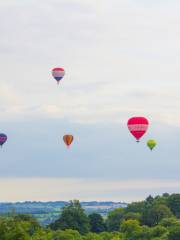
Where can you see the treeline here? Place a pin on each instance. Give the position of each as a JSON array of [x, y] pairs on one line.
[[153, 219]]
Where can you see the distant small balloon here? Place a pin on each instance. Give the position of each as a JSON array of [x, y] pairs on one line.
[[151, 143], [58, 73], [138, 126], [3, 138], [68, 139]]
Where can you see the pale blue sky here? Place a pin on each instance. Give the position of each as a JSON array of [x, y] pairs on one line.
[[121, 59]]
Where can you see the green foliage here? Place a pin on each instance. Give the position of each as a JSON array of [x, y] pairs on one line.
[[130, 228], [68, 234], [72, 217], [97, 224], [174, 204], [30, 224], [106, 235], [169, 222], [135, 207], [43, 234], [114, 219], [158, 231], [133, 215], [174, 233], [154, 213], [151, 219], [12, 230], [144, 233], [92, 236]]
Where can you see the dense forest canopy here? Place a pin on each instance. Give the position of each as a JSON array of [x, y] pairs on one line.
[[155, 218]]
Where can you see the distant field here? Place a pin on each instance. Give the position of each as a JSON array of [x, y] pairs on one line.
[[47, 212]]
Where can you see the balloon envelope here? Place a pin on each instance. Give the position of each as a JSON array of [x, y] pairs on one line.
[[151, 143], [137, 126], [58, 73], [68, 139], [3, 138]]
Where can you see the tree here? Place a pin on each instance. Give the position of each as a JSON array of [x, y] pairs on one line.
[[9, 229], [136, 207], [174, 204], [160, 200], [169, 222], [144, 233], [149, 199], [158, 231], [42, 234], [17, 234], [12, 229], [114, 219], [130, 228], [174, 233], [66, 235], [97, 224], [72, 217], [166, 195], [92, 236], [24, 218], [111, 236], [152, 215], [106, 235], [132, 215], [31, 223]]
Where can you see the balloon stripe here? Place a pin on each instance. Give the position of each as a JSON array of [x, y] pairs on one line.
[[137, 127]]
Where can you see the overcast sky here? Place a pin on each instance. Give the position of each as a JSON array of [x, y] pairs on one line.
[[122, 59]]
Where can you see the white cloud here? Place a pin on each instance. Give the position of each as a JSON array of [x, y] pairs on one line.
[[118, 56], [54, 189], [121, 59]]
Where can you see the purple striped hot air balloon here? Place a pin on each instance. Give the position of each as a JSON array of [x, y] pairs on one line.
[[58, 73], [3, 138]]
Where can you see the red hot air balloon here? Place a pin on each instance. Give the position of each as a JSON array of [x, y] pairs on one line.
[[3, 139], [138, 126]]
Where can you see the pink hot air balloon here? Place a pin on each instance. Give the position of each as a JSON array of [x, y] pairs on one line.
[[138, 126], [3, 139]]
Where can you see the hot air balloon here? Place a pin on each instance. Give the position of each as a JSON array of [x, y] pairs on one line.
[[151, 144], [58, 73], [138, 126], [3, 139], [68, 139]]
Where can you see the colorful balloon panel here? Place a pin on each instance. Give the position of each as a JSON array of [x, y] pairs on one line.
[[58, 73], [3, 138], [138, 126], [68, 139]]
